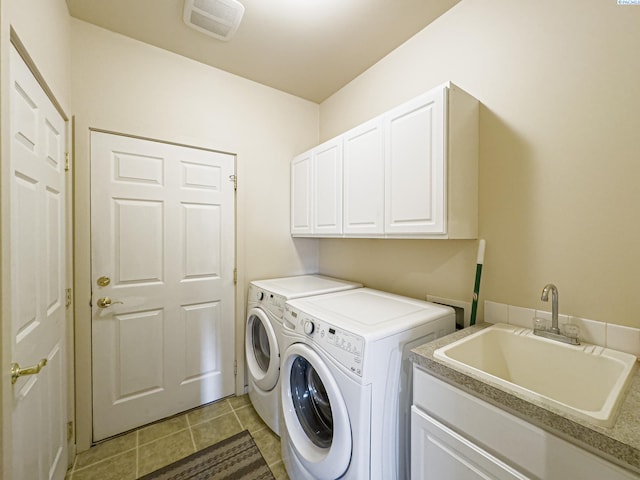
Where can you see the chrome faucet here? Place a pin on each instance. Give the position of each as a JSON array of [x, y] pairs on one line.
[[554, 332], [554, 305]]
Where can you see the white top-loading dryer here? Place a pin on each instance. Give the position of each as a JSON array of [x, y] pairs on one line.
[[265, 307], [346, 382]]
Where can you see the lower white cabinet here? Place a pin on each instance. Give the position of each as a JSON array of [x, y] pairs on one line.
[[440, 453], [456, 436]]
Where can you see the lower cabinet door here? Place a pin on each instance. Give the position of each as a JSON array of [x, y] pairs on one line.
[[439, 453]]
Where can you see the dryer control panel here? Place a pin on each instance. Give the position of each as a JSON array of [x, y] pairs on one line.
[[267, 300], [345, 347]]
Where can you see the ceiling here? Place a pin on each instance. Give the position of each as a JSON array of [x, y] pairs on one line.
[[309, 48]]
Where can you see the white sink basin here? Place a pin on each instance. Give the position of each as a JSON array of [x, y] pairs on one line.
[[585, 381]]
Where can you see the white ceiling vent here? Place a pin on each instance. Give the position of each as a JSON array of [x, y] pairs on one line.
[[218, 18]]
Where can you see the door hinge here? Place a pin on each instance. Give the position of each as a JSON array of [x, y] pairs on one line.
[[234, 179], [66, 162], [235, 367], [67, 302], [235, 276], [69, 431]]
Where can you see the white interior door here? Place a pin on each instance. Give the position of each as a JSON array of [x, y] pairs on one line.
[[37, 246], [162, 242]]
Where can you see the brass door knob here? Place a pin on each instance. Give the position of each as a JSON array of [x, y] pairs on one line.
[[106, 302], [17, 372]]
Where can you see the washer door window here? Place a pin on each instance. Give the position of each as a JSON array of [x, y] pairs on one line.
[[315, 414], [311, 403], [261, 346]]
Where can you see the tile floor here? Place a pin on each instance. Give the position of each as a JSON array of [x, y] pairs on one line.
[[137, 453]]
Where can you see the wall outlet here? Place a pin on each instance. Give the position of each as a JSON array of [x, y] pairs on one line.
[[463, 309]]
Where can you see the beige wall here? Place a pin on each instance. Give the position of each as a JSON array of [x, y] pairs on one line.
[[123, 85], [43, 28], [559, 162]]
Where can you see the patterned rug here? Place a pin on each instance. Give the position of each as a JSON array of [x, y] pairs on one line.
[[236, 458]]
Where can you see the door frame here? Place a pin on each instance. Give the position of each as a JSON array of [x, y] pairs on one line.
[[83, 284], [6, 395]]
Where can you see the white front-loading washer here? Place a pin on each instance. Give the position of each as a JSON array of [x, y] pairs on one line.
[[346, 382], [265, 307]]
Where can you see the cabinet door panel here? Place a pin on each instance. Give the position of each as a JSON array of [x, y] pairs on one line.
[[364, 179], [438, 452], [301, 194], [415, 166], [327, 188]]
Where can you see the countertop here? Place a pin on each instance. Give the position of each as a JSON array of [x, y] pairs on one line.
[[619, 444]]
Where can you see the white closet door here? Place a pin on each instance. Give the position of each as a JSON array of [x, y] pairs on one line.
[[37, 245], [162, 242]]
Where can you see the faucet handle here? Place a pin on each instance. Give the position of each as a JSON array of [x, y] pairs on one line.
[[540, 323], [571, 330]]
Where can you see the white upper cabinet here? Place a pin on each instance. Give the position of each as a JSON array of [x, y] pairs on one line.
[[411, 172], [316, 191], [364, 180], [301, 195], [327, 188], [415, 169]]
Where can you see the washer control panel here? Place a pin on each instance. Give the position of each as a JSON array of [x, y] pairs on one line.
[[346, 347]]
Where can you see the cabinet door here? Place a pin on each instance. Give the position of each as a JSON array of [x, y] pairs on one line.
[[301, 194], [364, 179], [438, 452], [327, 188], [415, 170]]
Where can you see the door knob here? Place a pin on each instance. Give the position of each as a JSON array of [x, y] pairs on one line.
[[106, 302], [17, 372]]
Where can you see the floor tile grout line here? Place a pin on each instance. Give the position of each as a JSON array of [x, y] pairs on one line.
[[137, 452], [260, 429], [162, 437], [211, 418], [238, 419], [193, 440], [73, 465], [111, 457]]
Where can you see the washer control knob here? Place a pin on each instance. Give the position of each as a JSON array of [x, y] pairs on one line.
[[260, 296], [309, 327]]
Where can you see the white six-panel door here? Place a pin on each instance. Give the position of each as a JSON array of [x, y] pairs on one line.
[[162, 233], [37, 245]]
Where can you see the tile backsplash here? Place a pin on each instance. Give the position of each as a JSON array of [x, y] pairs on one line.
[[616, 337]]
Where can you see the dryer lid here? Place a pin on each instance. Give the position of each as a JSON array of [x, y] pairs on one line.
[[304, 285]]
